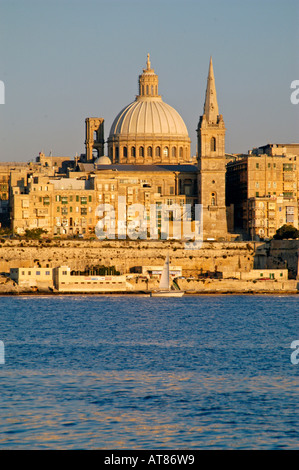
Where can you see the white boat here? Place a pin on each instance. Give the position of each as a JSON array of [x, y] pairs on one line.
[[165, 287]]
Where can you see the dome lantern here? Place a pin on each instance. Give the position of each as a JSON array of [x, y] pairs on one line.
[[148, 81]]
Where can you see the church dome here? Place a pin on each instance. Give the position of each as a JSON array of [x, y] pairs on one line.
[[149, 115], [148, 130], [103, 160]]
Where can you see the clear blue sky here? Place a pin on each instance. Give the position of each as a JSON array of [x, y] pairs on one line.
[[64, 60]]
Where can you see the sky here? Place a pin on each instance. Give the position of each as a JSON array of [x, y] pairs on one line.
[[64, 60]]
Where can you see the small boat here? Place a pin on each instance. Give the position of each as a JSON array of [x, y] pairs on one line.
[[165, 288]]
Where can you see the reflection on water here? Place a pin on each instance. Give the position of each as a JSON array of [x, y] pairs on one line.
[[137, 373]]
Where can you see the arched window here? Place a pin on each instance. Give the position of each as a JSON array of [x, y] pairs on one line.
[[133, 152], [116, 153], [95, 136], [158, 151], [147, 89], [149, 151], [181, 152], [125, 152], [213, 144], [173, 152], [213, 199], [141, 152], [165, 151]]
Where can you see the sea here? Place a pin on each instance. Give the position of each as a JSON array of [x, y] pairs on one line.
[[132, 372]]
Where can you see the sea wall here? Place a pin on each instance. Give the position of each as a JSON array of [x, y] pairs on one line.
[[125, 255]]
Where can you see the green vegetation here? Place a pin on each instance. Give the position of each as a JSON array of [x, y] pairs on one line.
[[35, 233], [286, 231]]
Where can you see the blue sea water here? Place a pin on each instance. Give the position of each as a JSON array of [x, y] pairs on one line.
[[133, 372]]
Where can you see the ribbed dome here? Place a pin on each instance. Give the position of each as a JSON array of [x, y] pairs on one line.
[[103, 160], [149, 115]]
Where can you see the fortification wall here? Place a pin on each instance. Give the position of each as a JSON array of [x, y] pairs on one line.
[[125, 255]]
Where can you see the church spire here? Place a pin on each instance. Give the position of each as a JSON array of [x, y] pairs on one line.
[[211, 106]]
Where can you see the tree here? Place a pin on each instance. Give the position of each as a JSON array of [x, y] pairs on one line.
[[34, 233], [286, 231]]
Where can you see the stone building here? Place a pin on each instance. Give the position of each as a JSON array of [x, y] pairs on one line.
[[263, 186], [69, 205]]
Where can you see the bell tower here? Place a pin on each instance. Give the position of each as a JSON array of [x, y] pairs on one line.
[[211, 164]]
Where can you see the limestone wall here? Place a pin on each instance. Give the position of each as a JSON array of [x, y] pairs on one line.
[[125, 255]]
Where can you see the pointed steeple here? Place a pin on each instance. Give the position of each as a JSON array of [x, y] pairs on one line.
[[211, 106]]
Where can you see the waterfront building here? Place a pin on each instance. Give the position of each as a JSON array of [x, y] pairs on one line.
[[263, 187]]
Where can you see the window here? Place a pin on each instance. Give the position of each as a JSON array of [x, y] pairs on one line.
[[125, 152], [133, 152], [149, 151], [257, 165], [213, 199], [166, 151], [47, 273], [89, 198], [181, 152], [46, 201], [141, 152], [64, 200], [158, 151], [38, 273], [77, 198], [160, 189], [64, 273], [173, 151], [83, 200], [171, 190], [83, 210], [213, 144]]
